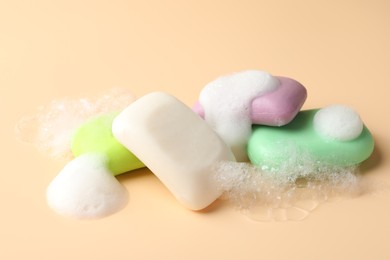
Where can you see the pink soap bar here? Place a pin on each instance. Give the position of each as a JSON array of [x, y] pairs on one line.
[[274, 108]]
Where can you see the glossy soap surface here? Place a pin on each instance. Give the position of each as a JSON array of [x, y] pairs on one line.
[[269, 147], [95, 136], [178, 146]]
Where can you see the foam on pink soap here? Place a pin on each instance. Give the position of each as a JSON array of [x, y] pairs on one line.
[[274, 108], [280, 106], [226, 102]]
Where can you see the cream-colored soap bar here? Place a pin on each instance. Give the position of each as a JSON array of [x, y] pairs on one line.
[[175, 144]]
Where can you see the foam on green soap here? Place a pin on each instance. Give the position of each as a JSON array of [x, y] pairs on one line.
[[95, 136], [271, 147]]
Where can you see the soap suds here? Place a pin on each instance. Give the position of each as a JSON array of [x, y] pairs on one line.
[[338, 122], [290, 193], [51, 127], [85, 189], [227, 105]]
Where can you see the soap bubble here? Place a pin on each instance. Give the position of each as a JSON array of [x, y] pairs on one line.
[[290, 193], [50, 128]]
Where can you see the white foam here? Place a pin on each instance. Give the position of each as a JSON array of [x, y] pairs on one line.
[[85, 189], [227, 103], [51, 127], [289, 194], [338, 122]]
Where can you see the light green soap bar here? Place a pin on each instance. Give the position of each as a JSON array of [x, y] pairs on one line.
[[270, 147], [95, 136]]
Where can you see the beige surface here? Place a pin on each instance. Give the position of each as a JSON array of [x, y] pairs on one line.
[[49, 49]]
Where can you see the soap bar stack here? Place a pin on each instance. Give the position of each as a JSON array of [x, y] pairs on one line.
[[248, 115], [334, 135]]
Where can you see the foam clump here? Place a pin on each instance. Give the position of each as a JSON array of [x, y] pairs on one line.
[[51, 127], [86, 189], [338, 122], [289, 194], [227, 105]]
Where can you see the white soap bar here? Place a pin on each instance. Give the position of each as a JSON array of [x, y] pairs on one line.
[[175, 144]]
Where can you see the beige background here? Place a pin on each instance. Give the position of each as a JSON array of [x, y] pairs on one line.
[[51, 49]]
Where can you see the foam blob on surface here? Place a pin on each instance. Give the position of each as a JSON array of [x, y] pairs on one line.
[[51, 127], [85, 189], [291, 194], [227, 105], [338, 122]]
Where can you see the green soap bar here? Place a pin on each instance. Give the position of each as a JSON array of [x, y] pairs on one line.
[[269, 147], [95, 136]]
